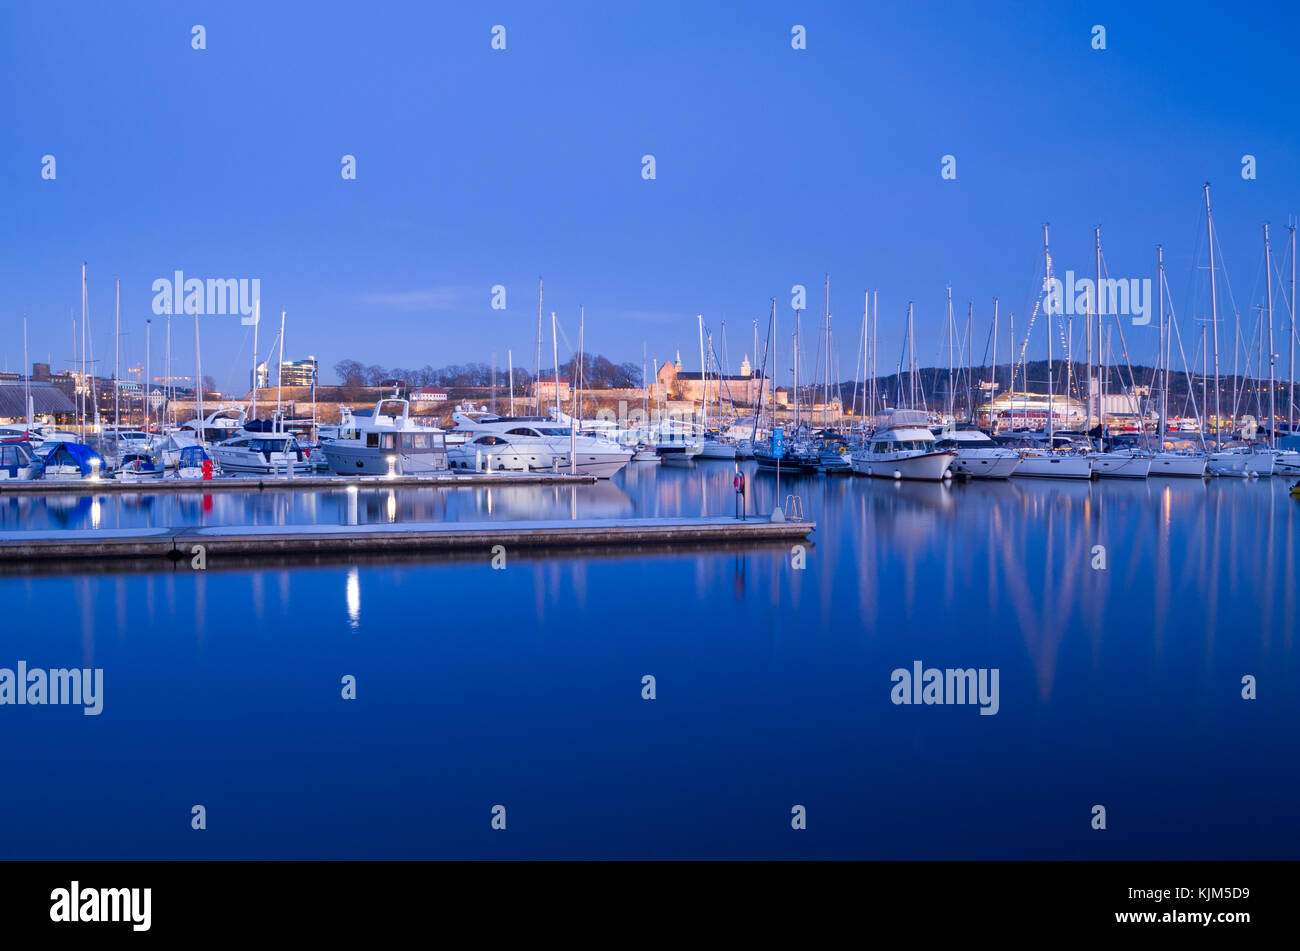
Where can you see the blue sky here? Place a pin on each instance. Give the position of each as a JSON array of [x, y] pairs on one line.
[[478, 167]]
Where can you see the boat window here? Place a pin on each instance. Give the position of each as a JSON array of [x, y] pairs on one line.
[[422, 441], [372, 440], [489, 441], [557, 432], [388, 440], [521, 432]]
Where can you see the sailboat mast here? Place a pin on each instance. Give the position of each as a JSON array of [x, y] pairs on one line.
[[198, 377], [510, 375], [148, 346], [1214, 320], [993, 370], [949, 407], [970, 362], [1272, 405], [167, 368], [1093, 310], [555, 352], [257, 322], [279, 373], [704, 378], [1051, 401], [27, 378], [911, 360], [537, 363], [1163, 368], [83, 351], [117, 347], [1290, 402], [796, 368], [875, 329], [1011, 353], [826, 370]]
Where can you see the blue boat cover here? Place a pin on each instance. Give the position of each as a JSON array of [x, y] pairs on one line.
[[74, 453]]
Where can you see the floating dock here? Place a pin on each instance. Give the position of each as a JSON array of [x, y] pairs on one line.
[[261, 483], [174, 544]]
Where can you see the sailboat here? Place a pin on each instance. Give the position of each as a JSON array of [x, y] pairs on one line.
[[1167, 460], [1057, 457], [711, 444], [901, 445]]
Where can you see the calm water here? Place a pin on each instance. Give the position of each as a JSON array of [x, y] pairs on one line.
[[522, 686]]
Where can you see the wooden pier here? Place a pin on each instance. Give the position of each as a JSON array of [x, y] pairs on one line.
[[107, 545]]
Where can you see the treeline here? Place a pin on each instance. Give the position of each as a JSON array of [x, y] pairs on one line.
[[932, 383], [597, 372]]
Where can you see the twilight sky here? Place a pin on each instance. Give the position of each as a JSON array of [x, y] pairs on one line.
[[477, 167]]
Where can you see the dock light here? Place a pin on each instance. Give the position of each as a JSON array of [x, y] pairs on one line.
[[352, 505], [392, 464], [94, 470]]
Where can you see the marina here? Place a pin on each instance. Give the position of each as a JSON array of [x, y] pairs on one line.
[[547, 438]]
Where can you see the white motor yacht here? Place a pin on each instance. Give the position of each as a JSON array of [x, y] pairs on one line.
[[531, 444], [978, 456], [221, 424], [263, 453], [385, 443], [902, 447]]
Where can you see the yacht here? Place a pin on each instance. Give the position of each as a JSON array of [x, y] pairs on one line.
[[677, 442], [978, 456], [1227, 463], [1179, 462], [69, 462], [902, 447], [385, 444], [15, 461], [269, 453], [1121, 463], [714, 447], [138, 466], [532, 444], [221, 424], [1063, 457]]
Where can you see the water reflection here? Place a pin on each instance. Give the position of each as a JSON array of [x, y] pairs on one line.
[[767, 674]]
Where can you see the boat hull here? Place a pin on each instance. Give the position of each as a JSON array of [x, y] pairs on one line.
[[717, 450], [1227, 465], [1121, 465], [1054, 466], [362, 460], [1179, 465], [920, 467], [986, 464], [1260, 464]]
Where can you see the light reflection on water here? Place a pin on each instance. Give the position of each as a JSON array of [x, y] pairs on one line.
[[1120, 686]]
